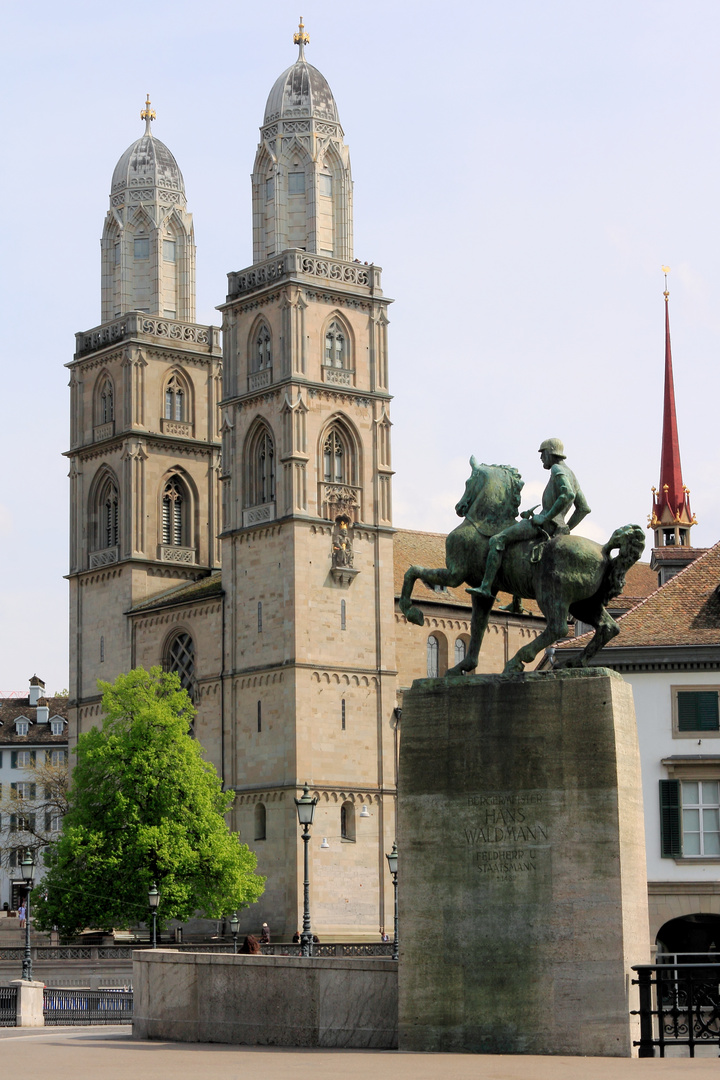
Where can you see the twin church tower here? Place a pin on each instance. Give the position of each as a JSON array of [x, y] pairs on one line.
[[231, 502]]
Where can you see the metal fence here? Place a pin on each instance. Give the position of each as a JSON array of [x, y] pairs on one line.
[[8, 1005], [82, 1007], [679, 1005], [42, 953]]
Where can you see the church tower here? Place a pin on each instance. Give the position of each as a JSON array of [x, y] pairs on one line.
[[144, 457], [307, 541], [671, 518]]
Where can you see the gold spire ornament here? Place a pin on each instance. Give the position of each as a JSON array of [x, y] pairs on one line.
[[666, 271], [301, 39], [147, 115]]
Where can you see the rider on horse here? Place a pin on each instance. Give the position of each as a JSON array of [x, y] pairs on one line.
[[560, 494]]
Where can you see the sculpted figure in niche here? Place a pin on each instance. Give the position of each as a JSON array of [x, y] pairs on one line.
[[534, 557], [342, 552]]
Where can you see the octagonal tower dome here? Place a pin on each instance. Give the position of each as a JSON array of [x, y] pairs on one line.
[[302, 185], [148, 245]]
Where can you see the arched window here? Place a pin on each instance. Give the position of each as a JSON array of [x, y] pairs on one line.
[[336, 346], [174, 513], [347, 821], [106, 511], [259, 715], [260, 821], [106, 402], [261, 467], [335, 459], [262, 349], [460, 650], [181, 659], [433, 651], [175, 399]]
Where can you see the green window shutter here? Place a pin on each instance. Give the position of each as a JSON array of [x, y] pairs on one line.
[[670, 836], [13, 787], [47, 823], [48, 757], [32, 757], [32, 791], [698, 710], [13, 822], [13, 759], [31, 822]]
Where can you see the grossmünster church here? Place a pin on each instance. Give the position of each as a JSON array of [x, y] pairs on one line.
[[231, 508]]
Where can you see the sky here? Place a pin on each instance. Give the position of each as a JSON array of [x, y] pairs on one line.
[[522, 171]]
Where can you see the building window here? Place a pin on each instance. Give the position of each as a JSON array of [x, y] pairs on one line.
[[259, 715], [181, 659], [343, 615], [296, 183], [23, 789], [695, 709], [334, 459], [173, 513], [690, 818], [262, 352], [460, 650], [56, 726], [336, 350], [106, 411], [102, 648], [22, 823], [347, 821], [21, 727], [325, 186], [25, 758], [261, 467], [259, 615], [110, 516], [342, 715], [175, 398], [141, 248], [53, 822], [169, 250], [270, 188], [433, 654], [260, 821], [57, 758], [168, 314]]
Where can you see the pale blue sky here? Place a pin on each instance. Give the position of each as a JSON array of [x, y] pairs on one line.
[[522, 170]]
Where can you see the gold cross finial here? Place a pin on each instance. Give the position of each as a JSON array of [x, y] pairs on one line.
[[301, 39], [147, 115], [666, 271]]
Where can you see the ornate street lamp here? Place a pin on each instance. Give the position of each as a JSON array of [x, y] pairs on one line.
[[306, 811], [27, 866], [392, 859], [234, 923], [153, 901]]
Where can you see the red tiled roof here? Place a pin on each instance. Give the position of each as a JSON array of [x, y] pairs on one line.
[[685, 611]]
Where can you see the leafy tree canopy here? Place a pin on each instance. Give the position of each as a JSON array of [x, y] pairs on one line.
[[144, 807]]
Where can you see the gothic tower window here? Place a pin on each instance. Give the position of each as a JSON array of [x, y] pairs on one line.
[[175, 400], [106, 513], [174, 513], [334, 459], [262, 353], [260, 460], [180, 658], [106, 403], [336, 346]]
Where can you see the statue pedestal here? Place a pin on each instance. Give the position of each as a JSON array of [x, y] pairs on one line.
[[522, 883]]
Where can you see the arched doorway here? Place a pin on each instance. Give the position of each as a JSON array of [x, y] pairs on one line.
[[699, 933]]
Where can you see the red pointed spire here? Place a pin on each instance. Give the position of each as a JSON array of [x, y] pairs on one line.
[[671, 504]]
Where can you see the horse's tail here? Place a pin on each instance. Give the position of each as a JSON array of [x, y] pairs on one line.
[[630, 541]]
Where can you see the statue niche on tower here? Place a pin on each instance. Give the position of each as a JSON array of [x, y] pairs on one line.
[[534, 558], [342, 568]]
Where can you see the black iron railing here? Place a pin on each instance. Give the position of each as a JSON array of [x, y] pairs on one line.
[[8, 1005], [42, 953], [82, 1007], [679, 1006]]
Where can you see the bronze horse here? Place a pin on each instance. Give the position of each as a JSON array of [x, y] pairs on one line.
[[566, 574]]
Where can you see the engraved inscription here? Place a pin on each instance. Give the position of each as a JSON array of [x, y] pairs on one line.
[[505, 832]]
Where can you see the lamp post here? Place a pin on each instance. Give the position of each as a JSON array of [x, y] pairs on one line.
[[305, 811], [153, 901], [234, 923], [392, 859], [27, 867]]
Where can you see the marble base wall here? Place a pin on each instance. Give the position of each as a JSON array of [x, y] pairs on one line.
[[265, 1000], [522, 887]]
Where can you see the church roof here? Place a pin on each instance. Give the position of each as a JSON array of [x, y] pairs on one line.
[[148, 161], [301, 91], [188, 593], [684, 612]]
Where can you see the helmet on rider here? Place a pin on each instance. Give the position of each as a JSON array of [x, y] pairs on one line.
[[555, 447]]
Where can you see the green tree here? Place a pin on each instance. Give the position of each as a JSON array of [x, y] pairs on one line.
[[144, 807]]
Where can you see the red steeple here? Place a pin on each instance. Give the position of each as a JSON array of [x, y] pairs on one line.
[[671, 504]]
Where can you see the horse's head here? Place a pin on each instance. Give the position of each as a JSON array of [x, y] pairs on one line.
[[492, 494]]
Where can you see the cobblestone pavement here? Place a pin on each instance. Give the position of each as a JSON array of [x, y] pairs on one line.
[[112, 1054]]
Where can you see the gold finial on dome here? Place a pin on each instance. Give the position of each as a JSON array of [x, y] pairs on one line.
[[666, 271], [301, 39], [147, 115]]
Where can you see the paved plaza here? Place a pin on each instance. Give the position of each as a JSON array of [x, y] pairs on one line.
[[112, 1054]]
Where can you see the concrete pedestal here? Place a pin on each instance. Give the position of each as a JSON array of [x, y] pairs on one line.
[[29, 1003], [522, 885]]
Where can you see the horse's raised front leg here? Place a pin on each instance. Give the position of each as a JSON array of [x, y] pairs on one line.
[[605, 630], [481, 609], [442, 576]]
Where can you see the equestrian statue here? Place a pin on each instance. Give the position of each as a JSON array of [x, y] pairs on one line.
[[534, 558]]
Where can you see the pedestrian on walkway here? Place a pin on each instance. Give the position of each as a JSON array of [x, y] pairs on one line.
[[265, 934], [21, 914]]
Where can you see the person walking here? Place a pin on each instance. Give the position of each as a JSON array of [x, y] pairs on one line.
[[265, 934], [21, 914]]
